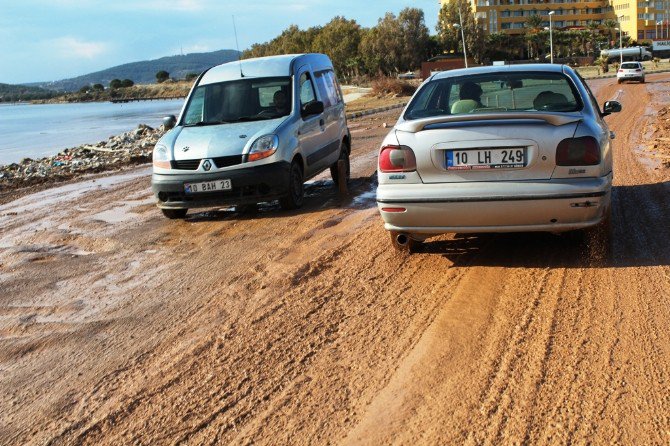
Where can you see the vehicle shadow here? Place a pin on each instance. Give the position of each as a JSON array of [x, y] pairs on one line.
[[640, 237], [319, 195]]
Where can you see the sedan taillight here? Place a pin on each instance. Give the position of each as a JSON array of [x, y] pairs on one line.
[[396, 159], [584, 151]]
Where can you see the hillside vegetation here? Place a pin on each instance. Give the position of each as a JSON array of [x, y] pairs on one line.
[[164, 90], [144, 72], [16, 93]]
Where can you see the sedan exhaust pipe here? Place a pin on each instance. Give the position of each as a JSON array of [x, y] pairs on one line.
[[402, 240]]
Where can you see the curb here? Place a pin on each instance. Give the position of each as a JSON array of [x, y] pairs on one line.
[[375, 110]]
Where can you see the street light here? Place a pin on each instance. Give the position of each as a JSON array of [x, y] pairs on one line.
[[460, 19], [551, 38], [620, 41]]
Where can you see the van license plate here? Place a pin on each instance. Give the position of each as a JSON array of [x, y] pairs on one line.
[[208, 186], [507, 158]]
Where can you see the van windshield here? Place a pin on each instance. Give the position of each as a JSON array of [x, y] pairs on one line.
[[240, 100], [495, 92]]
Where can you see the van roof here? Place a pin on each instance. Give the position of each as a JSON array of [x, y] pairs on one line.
[[264, 67]]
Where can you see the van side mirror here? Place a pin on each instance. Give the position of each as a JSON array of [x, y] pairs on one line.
[[312, 108], [169, 122], [611, 107]]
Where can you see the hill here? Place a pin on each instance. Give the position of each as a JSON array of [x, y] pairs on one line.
[[15, 93], [144, 72]]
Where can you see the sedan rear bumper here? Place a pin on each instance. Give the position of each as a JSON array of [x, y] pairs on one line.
[[512, 206]]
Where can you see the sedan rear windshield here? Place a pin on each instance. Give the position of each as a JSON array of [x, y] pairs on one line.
[[495, 92], [240, 100]]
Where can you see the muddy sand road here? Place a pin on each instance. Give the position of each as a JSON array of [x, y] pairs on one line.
[[118, 326]]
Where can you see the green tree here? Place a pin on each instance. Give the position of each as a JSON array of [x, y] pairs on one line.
[[162, 76], [381, 47], [85, 89], [190, 76], [449, 33], [115, 83], [340, 39], [127, 83], [98, 87], [415, 38], [533, 35]]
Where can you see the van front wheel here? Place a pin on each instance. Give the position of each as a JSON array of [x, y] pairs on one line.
[[174, 214], [296, 188]]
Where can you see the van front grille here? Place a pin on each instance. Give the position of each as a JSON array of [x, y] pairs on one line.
[[185, 164], [225, 161]]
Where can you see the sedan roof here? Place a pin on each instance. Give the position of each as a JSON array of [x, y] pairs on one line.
[[520, 68]]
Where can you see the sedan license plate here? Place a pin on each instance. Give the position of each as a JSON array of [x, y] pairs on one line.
[[507, 158], [208, 186]]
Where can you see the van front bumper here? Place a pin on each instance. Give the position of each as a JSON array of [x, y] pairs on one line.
[[249, 185]]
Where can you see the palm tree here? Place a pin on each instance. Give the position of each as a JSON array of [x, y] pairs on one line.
[[534, 26], [594, 31], [610, 25]]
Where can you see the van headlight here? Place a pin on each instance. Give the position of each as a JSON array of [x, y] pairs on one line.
[[160, 157], [263, 147]]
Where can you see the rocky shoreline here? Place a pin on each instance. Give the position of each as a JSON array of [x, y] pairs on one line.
[[127, 149]]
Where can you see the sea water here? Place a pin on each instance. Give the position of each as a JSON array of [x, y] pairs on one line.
[[35, 131]]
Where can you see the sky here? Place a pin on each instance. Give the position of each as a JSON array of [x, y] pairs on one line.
[[47, 40]]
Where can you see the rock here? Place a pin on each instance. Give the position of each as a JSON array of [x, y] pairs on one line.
[[26, 161]]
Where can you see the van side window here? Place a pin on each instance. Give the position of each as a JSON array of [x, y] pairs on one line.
[[307, 93], [327, 89], [334, 86]]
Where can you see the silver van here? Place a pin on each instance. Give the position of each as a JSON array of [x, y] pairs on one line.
[[252, 131]]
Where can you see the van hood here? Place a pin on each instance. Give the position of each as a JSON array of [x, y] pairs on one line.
[[217, 140]]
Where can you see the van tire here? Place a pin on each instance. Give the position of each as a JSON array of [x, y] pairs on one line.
[[296, 188], [344, 155], [174, 214]]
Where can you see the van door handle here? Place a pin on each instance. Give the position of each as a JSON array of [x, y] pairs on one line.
[[321, 123]]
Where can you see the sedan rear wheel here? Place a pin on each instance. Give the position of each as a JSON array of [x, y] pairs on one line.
[[599, 240]]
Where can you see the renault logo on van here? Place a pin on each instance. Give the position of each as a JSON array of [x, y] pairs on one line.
[[207, 165]]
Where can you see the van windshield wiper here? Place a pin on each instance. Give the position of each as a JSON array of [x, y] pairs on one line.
[[204, 123], [254, 118]]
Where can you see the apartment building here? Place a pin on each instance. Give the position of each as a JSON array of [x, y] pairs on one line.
[[642, 20]]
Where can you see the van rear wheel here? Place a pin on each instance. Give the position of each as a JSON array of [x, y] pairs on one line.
[[344, 155]]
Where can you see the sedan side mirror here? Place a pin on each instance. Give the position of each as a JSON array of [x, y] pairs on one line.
[[312, 108], [169, 122], [611, 107]]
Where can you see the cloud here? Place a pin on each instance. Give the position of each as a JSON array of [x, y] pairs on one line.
[[76, 48]]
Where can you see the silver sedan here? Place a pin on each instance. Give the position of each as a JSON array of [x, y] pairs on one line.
[[497, 149]]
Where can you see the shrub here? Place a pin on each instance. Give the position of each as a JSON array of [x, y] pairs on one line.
[[387, 86], [162, 76], [115, 83], [191, 76], [85, 89], [127, 83], [98, 87]]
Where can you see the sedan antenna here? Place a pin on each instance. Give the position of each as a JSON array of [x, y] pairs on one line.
[[237, 43]]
